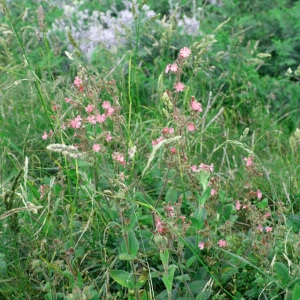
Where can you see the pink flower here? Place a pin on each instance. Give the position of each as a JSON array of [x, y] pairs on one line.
[[106, 105], [269, 229], [77, 81], [248, 161], [268, 215], [68, 100], [167, 130], [207, 167], [100, 118], [213, 192], [96, 147], [201, 245], [168, 68], [222, 243], [179, 87], [185, 52], [108, 137], [89, 108], [110, 111], [173, 150], [173, 67], [91, 119], [76, 123], [45, 135], [196, 106], [194, 169], [259, 194], [157, 141], [238, 205], [158, 225], [191, 126], [119, 158], [260, 228]]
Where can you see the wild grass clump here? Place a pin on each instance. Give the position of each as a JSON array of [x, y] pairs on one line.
[[163, 170]]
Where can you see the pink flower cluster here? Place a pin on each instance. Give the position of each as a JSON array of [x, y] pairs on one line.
[[76, 123], [47, 135], [167, 130], [195, 105], [78, 83], [183, 53], [157, 141], [222, 244], [172, 68], [119, 157], [267, 228], [159, 225], [207, 168], [248, 160]]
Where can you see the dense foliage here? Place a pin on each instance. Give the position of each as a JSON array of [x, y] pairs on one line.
[[149, 150]]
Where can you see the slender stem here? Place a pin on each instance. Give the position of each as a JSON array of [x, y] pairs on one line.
[[136, 291]]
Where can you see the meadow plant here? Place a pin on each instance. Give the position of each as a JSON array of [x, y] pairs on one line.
[[131, 209]]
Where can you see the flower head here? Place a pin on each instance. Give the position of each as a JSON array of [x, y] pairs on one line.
[[269, 229], [185, 52], [238, 205], [76, 123], [89, 108], [100, 118], [77, 81], [45, 135], [106, 105], [259, 194], [201, 245], [179, 87], [173, 67], [91, 119], [173, 150], [196, 106], [191, 126], [108, 137], [222, 243], [260, 228], [96, 147], [249, 161], [205, 167]]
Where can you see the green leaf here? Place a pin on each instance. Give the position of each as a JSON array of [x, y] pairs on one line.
[[171, 195], [190, 261], [263, 204], [200, 214], [133, 244], [123, 278], [296, 292], [204, 197], [184, 277], [125, 256], [80, 252], [164, 256], [204, 179], [282, 272], [227, 211], [167, 282]]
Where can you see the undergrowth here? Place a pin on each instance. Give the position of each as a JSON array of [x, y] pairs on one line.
[[165, 168]]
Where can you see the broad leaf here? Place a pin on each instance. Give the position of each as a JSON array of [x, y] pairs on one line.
[[123, 278]]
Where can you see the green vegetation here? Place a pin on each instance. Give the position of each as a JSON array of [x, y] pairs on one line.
[[157, 160]]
